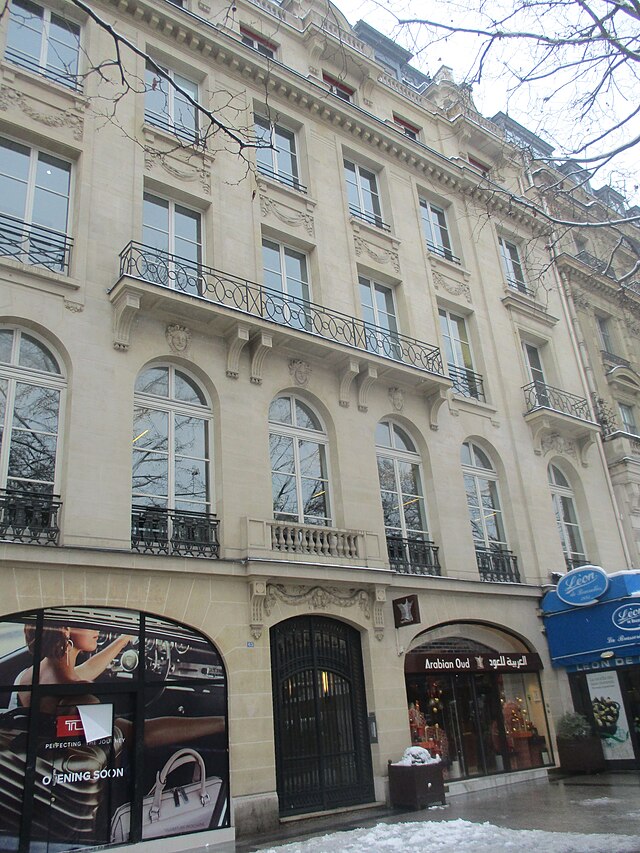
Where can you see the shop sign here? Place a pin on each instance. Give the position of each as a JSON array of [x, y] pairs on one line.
[[583, 586], [627, 617], [498, 662], [406, 611]]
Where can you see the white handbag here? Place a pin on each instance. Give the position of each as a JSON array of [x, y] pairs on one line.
[[172, 811]]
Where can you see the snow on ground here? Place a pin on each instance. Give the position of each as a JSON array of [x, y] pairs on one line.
[[458, 835]]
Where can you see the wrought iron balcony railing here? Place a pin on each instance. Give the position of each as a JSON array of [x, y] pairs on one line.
[[574, 562], [67, 78], [371, 218], [280, 177], [610, 358], [413, 556], [596, 264], [497, 565], [520, 286], [467, 382], [443, 252], [29, 518], [190, 135], [314, 540], [540, 395], [155, 530], [34, 244], [229, 291]]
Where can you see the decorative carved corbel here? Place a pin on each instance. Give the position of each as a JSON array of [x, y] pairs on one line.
[[379, 601], [434, 401], [125, 307], [262, 346], [367, 377], [258, 593], [349, 373], [236, 340]]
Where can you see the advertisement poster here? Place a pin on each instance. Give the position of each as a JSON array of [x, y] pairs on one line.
[[609, 714], [112, 729]]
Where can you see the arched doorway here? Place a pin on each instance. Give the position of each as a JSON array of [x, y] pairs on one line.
[[98, 705], [323, 756]]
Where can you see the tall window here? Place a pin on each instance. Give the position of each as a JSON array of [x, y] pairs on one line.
[[168, 102], [280, 160], [31, 383], [628, 418], [362, 192], [172, 239], [604, 333], [43, 42], [436, 232], [171, 457], [458, 353], [512, 266], [539, 391], [567, 518], [34, 206], [379, 315], [285, 271], [298, 450], [483, 500]]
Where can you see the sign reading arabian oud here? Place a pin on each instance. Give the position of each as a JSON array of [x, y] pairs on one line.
[[470, 662], [583, 586]]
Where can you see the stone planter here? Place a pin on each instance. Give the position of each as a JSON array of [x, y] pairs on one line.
[[581, 756], [416, 786]]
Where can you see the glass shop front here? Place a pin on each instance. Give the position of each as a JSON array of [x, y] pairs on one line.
[[479, 709]]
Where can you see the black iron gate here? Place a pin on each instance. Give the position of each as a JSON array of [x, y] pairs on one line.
[[323, 757]]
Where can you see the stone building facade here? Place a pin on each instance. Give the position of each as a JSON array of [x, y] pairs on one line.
[[292, 437]]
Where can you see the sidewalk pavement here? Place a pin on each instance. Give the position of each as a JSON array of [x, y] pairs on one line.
[[603, 803]]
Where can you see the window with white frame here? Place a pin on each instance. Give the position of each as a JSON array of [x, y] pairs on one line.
[[566, 518], [458, 354], [44, 42], [483, 499], [603, 324], [406, 127], [337, 88], [537, 391], [628, 418], [172, 250], [34, 206], [512, 266], [285, 272], [31, 385], [170, 102], [400, 477], [257, 42], [379, 315], [276, 155], [362, 194], [171, 440], [299, 472], [436, 231]]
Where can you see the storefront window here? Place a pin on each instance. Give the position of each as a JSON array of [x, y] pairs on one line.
[[479, 717], [113, 730]]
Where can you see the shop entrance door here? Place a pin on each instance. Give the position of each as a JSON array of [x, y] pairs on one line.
[[323, 757], [81, 770]]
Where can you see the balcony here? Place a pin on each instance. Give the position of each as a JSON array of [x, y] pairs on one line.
[[574, 561], [159, 276], [17, 57], [467, 382], [413, 556], [28, 518], [281, 178], [34, 244], [155, 530], [370, 218], [553, 412], [497, 565], [315, 541], [443, 252], [596, 264]]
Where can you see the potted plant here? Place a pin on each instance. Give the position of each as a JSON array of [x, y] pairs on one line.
[[579, 750]]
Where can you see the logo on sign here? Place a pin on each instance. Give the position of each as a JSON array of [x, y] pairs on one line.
[[583, 586], [627, 617], [68, 726]]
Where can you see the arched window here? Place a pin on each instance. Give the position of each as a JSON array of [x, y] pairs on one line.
[[495, 561], [170, 465], [299, 475], [31, 385], [567, 518], [403, 504]]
